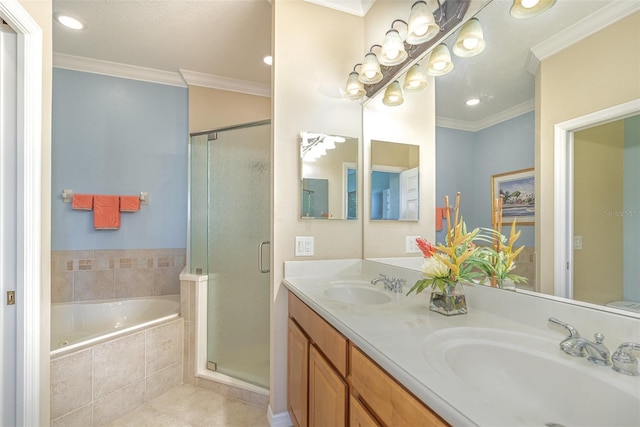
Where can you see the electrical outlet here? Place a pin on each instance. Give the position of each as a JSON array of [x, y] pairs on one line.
[[412, 245], [304, 246], [577, 243]]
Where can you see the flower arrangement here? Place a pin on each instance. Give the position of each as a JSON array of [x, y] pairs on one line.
[[444, 266], [501, 255]]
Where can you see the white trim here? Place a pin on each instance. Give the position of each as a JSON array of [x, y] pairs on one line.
[[563, 188], [29, 127], [281, 419], [494, 119], [115, 69], [345, 191], [196, 78], [353, 7], [610, 14]]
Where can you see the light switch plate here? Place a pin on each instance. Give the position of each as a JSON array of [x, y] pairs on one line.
[[411, 245], [304, 246], [577, 243]]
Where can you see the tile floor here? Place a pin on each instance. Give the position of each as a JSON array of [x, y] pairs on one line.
[[190, 406]]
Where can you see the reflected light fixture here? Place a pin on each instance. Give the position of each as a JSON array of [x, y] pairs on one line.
[[473, 101], [422, 25], [268, 60], [370, 70], [522, 9], [415, 80], [470, 41], [440, 61], [393, 95], [393, 51], [355, 88], [70, 22]]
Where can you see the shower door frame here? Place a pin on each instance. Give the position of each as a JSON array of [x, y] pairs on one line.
[[201, 290]]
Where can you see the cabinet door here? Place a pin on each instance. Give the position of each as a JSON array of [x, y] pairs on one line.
[[359, 416], [327, 393], [297, 374]]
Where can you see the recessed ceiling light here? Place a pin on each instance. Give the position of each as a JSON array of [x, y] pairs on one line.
[[472, 102], [268, 60], [70, 22]]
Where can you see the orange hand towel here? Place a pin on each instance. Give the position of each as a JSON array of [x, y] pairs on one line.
[[129, 203], [106, 212], [82, 202], [441, 213]]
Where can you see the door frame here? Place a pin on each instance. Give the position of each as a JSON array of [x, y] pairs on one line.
[[28, 189], [563, 192]]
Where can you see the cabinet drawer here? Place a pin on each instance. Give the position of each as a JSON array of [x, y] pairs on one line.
[[332, 344], [392, 404]]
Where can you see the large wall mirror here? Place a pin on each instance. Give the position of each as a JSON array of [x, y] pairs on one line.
[[498, 135], [328, 176], [394, 181]]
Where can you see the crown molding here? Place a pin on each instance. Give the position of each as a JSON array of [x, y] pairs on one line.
[[587, 26], [354, 7], [492, 120], [196, 78], [116, 69]]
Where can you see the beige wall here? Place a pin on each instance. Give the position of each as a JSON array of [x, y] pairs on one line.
[[312, 60], [211, 109], [598, 72], [41, 12], [598, 177]]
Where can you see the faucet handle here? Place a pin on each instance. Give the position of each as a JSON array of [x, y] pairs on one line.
[[573, 333], [623, 359]]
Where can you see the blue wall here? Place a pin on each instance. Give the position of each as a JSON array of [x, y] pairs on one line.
[[465, 162], [119, 136]]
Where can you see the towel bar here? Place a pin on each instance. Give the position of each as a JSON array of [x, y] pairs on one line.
[[67, 196]]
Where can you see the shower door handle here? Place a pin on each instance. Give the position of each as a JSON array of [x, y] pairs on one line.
[[260, 267]]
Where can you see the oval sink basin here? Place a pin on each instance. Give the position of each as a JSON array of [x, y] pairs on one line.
[[357, 295], [532, 378]]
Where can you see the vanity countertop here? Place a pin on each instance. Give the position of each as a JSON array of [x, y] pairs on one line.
[[397, 335]]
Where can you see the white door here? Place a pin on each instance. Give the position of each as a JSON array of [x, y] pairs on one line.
[[409, 194], [8, 225]]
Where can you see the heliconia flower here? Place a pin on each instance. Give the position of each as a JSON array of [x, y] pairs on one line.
[[428, 250]]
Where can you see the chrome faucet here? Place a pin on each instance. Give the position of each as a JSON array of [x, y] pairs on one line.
[[624, 361], [574, 345], [390, 283]]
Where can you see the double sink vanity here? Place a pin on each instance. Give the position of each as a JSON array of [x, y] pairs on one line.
[[375, 356]]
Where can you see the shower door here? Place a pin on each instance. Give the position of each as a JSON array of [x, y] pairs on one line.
[[238, 253]]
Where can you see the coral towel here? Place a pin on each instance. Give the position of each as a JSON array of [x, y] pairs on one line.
[[129, 203], [441, 213], [82, 201], [106, 212]]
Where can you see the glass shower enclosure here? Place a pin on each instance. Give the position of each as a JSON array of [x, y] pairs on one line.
[[229, 206]]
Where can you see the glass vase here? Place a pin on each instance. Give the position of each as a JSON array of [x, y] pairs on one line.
[[449, 301]]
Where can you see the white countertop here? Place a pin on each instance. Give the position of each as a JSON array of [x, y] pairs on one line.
[[396, 335]]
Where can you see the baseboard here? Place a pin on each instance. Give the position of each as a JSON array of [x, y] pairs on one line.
[[281, 419]]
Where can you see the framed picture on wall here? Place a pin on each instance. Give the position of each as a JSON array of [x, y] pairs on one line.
[[518, 196]]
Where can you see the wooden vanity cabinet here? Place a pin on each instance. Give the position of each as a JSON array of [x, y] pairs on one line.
[[384, 397], [332, 383], [317, 367]]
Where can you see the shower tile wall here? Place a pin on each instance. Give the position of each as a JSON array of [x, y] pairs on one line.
[[97, 385], [115, 274], [526, 267]]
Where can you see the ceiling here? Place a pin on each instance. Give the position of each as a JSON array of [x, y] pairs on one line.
[[227, 39]]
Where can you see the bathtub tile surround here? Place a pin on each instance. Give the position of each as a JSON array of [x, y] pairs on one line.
[[113, 274], [188, 306], [97, 385]]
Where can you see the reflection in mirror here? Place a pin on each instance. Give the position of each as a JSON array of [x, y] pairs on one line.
[[394, 181], [606, 219], [498, 135], [328, 176]]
